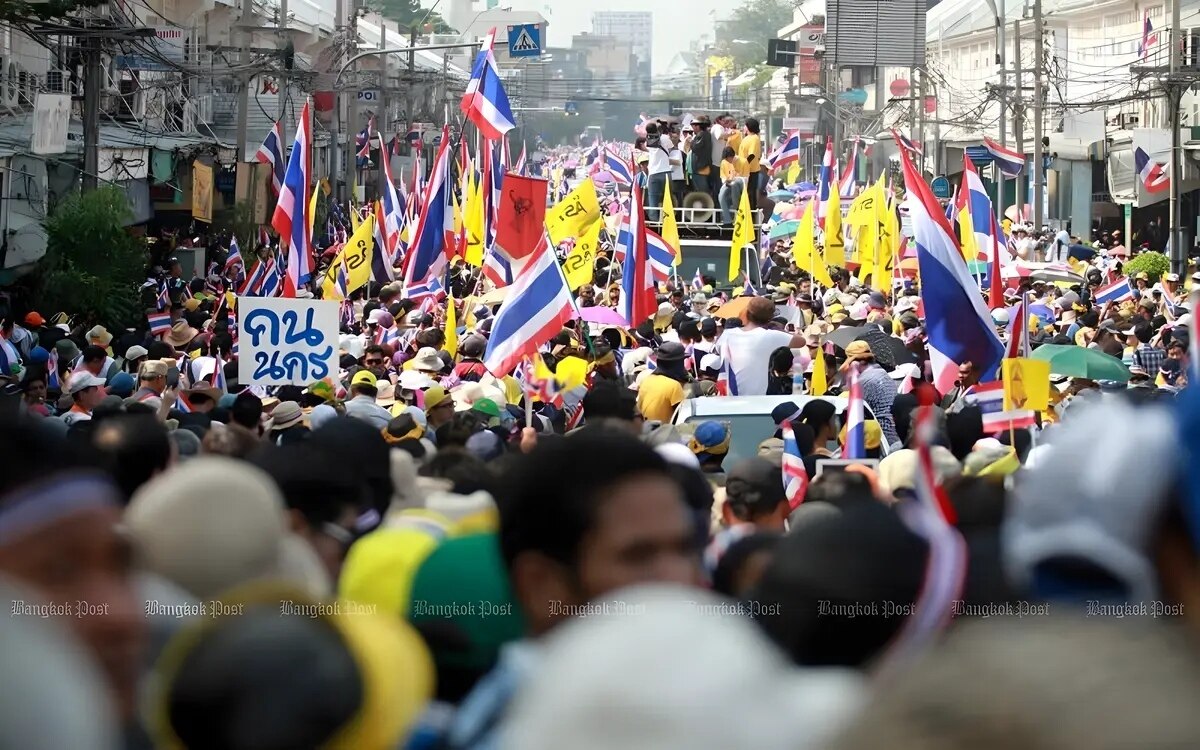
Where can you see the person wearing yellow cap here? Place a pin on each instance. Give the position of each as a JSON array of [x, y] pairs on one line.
[[439, 408], [362, 405]]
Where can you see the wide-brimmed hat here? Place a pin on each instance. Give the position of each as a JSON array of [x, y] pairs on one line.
[[427, 360], [67, 349], [287, 414], [181, 334], [204, 388], [99, 336]]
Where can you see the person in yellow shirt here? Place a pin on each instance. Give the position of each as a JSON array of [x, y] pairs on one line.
[[733, 137], [733, 181], [750, 151], [662, 391]]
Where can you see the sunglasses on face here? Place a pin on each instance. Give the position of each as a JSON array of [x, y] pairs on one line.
[[374, 361]]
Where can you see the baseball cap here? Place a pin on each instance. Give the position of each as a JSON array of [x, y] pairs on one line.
[[711, 362], [83, 379], [153, 369], [364, 377], [35, 319], [434, 397], [135, 352]]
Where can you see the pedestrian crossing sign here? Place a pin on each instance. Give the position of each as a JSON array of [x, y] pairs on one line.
[[525, 40]]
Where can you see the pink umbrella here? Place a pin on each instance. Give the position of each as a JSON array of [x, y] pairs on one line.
[[605, 316]]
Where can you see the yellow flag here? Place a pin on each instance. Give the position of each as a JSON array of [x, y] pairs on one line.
[[312, 212], [1026, 384], [966, 235], [835, 246], [670, 230], [804, 248], [819, 383], [581, 261], [571, 372], [793, 173], [473, 216], [357, 256], [451, 328], [743, 235], [354, 217], [572, 216]]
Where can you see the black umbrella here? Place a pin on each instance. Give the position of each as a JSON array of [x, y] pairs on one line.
[[844, 335]]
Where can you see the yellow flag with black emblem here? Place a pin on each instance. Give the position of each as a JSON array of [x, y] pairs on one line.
[[357, 257]]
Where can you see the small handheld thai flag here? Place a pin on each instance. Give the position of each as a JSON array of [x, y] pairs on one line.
[[163, 301], [160, 322], [697, 280], [182, 404], [363, 139], [271, 152], [52, 381], [726, 378], [795, 476], [989, 397], [235, 267], [907, 145], [856, 426], [1117, 291], [1018, 331], [748, 289]]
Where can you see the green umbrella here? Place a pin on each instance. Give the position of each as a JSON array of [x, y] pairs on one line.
[[782, 195], [784, 229], [1079, 362]]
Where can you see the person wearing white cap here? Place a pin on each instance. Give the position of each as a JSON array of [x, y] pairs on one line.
[[706, 381], [86, 391]]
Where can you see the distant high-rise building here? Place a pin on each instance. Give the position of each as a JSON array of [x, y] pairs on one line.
[[636, 27]]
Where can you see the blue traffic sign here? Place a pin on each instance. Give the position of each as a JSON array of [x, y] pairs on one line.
[[525, 40], [941, 187]]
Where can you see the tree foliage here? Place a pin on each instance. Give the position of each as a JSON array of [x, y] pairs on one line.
[[408, 13], [93, 266], [1153, 263], [15, 11], [754, 22]]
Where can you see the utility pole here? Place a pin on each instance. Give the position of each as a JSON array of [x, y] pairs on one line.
[[285, 81], [1018, 114], [91, 114], [352, 109], [1003, 63], [412, 77], [1175, 95], [1039, 172], [247, 37], [384, 121], [920, 107]]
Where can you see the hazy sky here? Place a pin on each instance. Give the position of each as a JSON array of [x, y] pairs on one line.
[[675, 24]]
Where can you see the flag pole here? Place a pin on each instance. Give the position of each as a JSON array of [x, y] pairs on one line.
[[528, 398]]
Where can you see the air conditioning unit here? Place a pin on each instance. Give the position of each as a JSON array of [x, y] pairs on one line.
[[202, 108], [1128, 121], [58, 81]]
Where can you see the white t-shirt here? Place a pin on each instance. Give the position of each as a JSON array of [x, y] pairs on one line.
[[677, 169], [660, 154], [748, 351], [718, 135]]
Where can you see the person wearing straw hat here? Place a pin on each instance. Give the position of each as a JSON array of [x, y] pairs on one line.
[[180, 335]]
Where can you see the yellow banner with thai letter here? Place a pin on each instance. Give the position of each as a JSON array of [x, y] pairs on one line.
[[1026, 384], [572, 216], [202, 192], [581, 261], [357, 257]]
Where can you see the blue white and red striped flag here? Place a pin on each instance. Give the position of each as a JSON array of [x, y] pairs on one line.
[[235, 267], [393, 209], [252, 286], [1117, 291], [160, 322], [906, 145], [795, 476], [989, 397], [661, 255], [271, 152], [748, 289], [485, 102], [958, 325], [52, 380], [538, 305], [697, 280], [1018, 330], [433, 235], [363, 139], [619, 168], [787, 153], [1149, 38], [849, 174], [163, 300], [1153, 175], [273, 282], [291, 212], [638, 302], [1009, 162], [856, 425]]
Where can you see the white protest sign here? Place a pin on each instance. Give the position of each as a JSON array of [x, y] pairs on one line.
[[286, 341]]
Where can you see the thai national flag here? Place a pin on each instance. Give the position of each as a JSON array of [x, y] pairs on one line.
[[235, 267], [363, 140], [434, 230], [430, 289], [1152, 174], [538, 305], [393, 208], [697, 280], [959, 327], [160, 322], [787, 153], [826, 175], [1010, 162], [273, 281], [252, 286], [485, 103], [291, 221], [1117, 291], [637, 275], [978, 207], [795, 476], [661, 255], [748, 289], [726, 378], [181, 404], [1149, 38], [906, 145], [989, 397], [271, 152], [856, 426], [163, 300], [846, 188], [341, 284], [1018, 330], [383, 260], [52, 380], [619, 168]]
